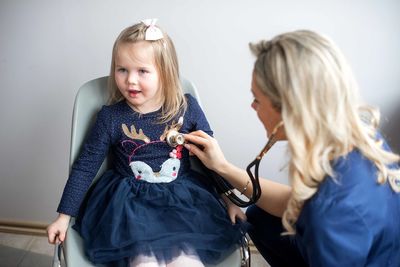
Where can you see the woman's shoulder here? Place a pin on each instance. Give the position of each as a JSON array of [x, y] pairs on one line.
[[353, 174], [353, 187]]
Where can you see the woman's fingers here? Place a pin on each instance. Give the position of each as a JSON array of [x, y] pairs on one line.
[[193, 149], [199, 133], [199, 143], [205, 147], [198, 138]]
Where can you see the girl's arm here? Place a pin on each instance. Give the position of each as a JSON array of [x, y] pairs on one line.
[[274, 195], [84, 169], [94, 150]]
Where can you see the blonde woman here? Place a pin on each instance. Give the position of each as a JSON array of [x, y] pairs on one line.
[[342, 207]]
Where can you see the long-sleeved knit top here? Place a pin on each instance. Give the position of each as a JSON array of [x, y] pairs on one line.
[[108, 136]]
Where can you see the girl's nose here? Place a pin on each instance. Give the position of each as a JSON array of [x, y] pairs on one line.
[[132, 78]]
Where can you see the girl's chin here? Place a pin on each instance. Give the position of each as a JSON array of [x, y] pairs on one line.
[[135, 106], [140, 109]]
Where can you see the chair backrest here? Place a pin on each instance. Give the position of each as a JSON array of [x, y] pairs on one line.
[[90, 98]]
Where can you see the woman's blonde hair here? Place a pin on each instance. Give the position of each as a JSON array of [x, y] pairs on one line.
[[308, 80], [166, 62]]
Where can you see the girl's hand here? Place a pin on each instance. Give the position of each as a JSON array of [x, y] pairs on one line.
[[235, 212], [56, 230], [206, 148]]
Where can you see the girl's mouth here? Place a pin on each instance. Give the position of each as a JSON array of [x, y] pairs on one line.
[[133, 93]]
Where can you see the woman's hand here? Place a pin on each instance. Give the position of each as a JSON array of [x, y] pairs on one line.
[[56, 230], [274, 197], [206, 148]]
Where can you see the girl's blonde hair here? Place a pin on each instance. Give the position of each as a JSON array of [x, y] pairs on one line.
[[309, 81], [166, 62]]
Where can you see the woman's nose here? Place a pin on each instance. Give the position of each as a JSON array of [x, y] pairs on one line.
[[253, 105]]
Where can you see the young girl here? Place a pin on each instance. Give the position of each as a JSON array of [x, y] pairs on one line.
[[150, 209]]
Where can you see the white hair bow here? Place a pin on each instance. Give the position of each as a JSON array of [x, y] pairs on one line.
[[152, 32]]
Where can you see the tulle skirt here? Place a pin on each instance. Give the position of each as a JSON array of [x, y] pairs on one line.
[[122, 218]]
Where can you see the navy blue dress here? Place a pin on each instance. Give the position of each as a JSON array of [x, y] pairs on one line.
[[150, 202]]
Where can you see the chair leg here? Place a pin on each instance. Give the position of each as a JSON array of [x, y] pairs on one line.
[[57, 255], [245, 253]]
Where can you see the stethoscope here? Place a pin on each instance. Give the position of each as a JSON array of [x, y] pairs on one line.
[[255, 163], [175, 138]]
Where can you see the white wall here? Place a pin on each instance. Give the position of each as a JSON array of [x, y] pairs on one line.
[[49, 48]]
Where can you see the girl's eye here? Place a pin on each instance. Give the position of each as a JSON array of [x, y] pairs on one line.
[[143, 71], [121, 70]]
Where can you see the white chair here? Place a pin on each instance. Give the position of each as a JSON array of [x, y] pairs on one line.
[[89, 99]]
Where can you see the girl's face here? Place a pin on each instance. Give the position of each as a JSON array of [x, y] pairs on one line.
[[267, 114], [137, 77]]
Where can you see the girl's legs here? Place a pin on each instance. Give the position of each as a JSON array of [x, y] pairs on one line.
[[145, 261], [265, 232], [186, 260]]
